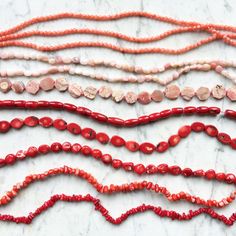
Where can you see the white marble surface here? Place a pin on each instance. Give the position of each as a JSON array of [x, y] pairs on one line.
[[198, 151]]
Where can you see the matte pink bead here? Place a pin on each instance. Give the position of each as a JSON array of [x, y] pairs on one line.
[[187, 93], [144, 98], [47, 84], [203, 93], [90, 92], [131, 97], [231, 93], [18, 87], [218, 92], [117, 95], [32, 87], [172, 92], [105, 92], [5, 85], [157, 96], [61, 84], [75, 90]]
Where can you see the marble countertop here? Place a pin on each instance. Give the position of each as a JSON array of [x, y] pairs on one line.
[[198, 151]]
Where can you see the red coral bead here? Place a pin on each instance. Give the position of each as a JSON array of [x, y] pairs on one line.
[[233, 143], [189, 110], [175, 170], [211, 130], [220, 176], [230, 178], [98, 116], [31, 121], [177, 111], [202, 110], [102, 138], [139, 169], [45, 122], [128, 166], [116, 163], [230, 114], [200, 173], [132, 146], [4, 126], [20, 155], [147, 148], [151, 169], [143, 119], [197, 127], [210, 174], [2, 162], [131, 122], [184, 131], [17, 123], [56, 147], [224, 138], [117, 141], [162, 168], [44, 148], [187, 172], [154, 116], [106, 158], [60, 124], [76, 147], [32, 152], [10, 159], [66, 146], [96, 153], [174, 140], [116, 121], [74, 128], [214, 110], [88, 133], [162, 147], [86, 150], [166, 113]]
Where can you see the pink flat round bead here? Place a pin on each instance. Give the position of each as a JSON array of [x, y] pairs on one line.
[[203, 93], [231, 93], [187, 93], [61, 84], [144, 98], [218, 92], [157, 96], [105, 92], [75, 90], [90, 92], [32, 87], [47, 83], [117, 95], [5, 85], [131, 97], [18, 87], [172, 92]]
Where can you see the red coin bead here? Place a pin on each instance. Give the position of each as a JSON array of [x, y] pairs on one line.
[[96, 153], [184, 131], [139, 169], [210, 174], [106, 158], [44, 148], [233, 143], [10, 159], [117, 141], [88, 133], [86, 150], [102, 138], [224, 138], [32, 152], [45, 122], [56, 147], [211, 130], [75, 148], [162, 147], [31, 121], [4, 126], [17, 123], [60, 124], [116, 163], [197, 127], [147, 148], [73, 128], [174, 140], [132, 146]]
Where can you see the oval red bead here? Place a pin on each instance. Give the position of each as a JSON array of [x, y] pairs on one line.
[[73, 128], [224, 138], [139, 169], [184, 131], [174, 140], [60, 124], [211, 130], [17, 123], [189, 110], [117, 141], [86, 150], [116, 163], [4, 126], [175, 170], [102, 138], [106, 158], [96, 153], [147, 148], [197, 127], [162, 147], [132, 146], [31, 121], [44, 148], [88, 133], [45, 122], [76, 147]]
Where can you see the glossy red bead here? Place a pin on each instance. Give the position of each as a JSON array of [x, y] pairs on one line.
[[177, 111], [4, 126], [139, 169], [69, 107], [190, 110], [98, 116], [10, 159], [220, 176], [56, 147], [116, 121], [60, 124], [73, 128], [45, 122], [230, 114], [184, 131], [197, 127], [88, 133], [143, 119], [44, 148], [21, 155], [214, 110], [96, 153], [83, 111], [224, 138], [210, 174], [117, 141], [75, 148], [162, 146], [102, 138], [86, 150], [66, 147], [166, 113], [202, 110], [17, 123], [32, 152], [147, 148], [131, 122], [106, 158], [174, 140], [154, 116], [230, 178], [211, 130], [132, 146], [116, 163], [31, 121]]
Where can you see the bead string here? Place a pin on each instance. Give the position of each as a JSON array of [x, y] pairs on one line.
[[113, 188], [171, 92], [106, 159], [117, 141]]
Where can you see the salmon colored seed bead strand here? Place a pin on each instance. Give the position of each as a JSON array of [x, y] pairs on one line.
[[117, 141], [106, 159], [173, 215], [113, 188], [115, 121]]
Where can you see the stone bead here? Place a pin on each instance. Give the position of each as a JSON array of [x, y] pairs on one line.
[[187, 93], [5, 85], [218, 92], [75, 90], [131, 97], [157, 95], [18, 87], [90, 92], [61, 84], [32, 87], [231, 93], [105, 92], [47, 84], [144, 98], [172, 92], [203, 93], [117, 95]]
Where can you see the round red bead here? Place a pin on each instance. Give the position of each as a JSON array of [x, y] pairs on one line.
[[147, 148], [151, 169], [96, 153], [17, 123], [187, 172], [184, 131], [117, 141], [31, 121], [60, 124], [162, 168], [210, 174], [76, 147], [4, 126], [128, 166], [224, 138], [10, 159], [175, 170], [66, 146], [73, 128], [139, 169], [197, 127], [102, 138], [220, 176], [116, 163], [56, 147], [45, 122], [106, 158], [211, 130], [88, 133], [132, 146], [32, 152], [86, 150], [230, 178]]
